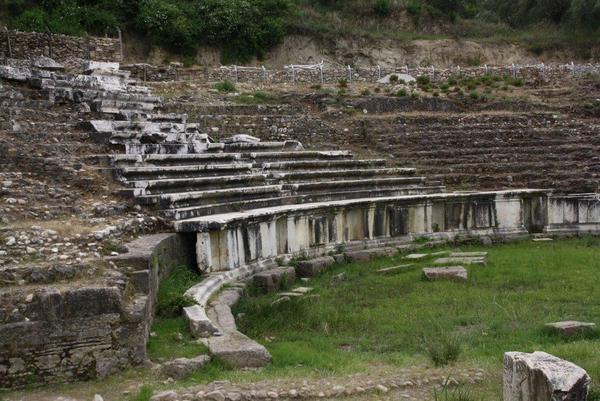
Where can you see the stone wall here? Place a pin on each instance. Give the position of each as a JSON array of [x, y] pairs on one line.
[[530, 73], [249, 237], [90, 327], [62, 48]]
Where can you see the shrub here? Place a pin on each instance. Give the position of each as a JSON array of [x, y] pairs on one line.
[[423, 80], [443, 349], [225, 86], [365, 92], [382, 8], [144, 394], [342, 83], [393, 78], [401, 93], [436, 94], [474, 95]]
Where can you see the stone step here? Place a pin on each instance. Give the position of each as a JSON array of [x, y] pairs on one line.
[[373, 183], [169, 160], [344, 173], [115, 106], [262, 146], [301, 155], [326, 164], [190, 171], [183, 199], [181, 213], [162, 186], [176, 148]]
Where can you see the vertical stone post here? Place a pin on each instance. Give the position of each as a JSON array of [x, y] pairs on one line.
[[321, 72], [293, 75], [378, 72], [120, 43], [349, 74], [8, 45], [264, 70], [235, 73], [49, 38]]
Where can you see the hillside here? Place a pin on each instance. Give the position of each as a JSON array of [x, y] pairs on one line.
[[441, 32]]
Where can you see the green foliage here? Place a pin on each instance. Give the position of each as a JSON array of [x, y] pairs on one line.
[[144, 394], [172, 339], [171, 298], [401, 93], [343, 83], [225, 86], [241, 28], [458, 394], [258, 97], [382, 8], [474, 95], [423, 81]]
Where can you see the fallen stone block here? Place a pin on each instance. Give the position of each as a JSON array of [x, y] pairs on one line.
[[182, 367], [200, 324], [339, 278], [458, 273], [239, 351], [46, 63], [290, 294], [468, 254], [245, 138], [394, 269], [339, 258], [543, 377], [366, 255], [462, 260], [313, 267], [302, 290], [275, 279], [416, 256], [165, 396], [542, 239], [571, 327]]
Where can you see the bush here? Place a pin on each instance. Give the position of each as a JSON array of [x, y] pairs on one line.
[[474, 95], [443, 349], [382, 8], [401, 93], [393, 78], [342, 83], [423, 81], [225, 86], [144, 394]]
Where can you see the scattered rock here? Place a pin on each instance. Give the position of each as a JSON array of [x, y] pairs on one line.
[[165, 396], [239, 351], [462, 260], [394, 269], [339, 278], [215, 396], [416, 256]]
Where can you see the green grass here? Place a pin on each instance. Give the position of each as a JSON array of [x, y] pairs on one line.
[[395, 319], [225, 86], [258, 97], [144, 394], [172, 339], [171, 335]]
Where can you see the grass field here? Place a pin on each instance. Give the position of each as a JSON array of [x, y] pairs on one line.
[[400, 319]]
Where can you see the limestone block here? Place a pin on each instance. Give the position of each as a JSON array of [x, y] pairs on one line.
[[445, 273], [468, 254], [165, 396], [462, 260], [239, 351], [91, 66], [394, 269], [46, 63], [543, 377], [313, 267], [200, 324], [275, 279], [366, 255], [182, 367], [571, 327]]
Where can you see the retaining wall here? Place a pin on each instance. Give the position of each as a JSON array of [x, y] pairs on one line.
[[91, 328], [333, 74], [62, 48]]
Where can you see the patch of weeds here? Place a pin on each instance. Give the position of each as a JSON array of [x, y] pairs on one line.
[[421, 240], [452, 80], [258, 97], [594, 394], [401, 93], [294, 261], [343, 83], [377, 89], [514, 81], [112, 246], [593, 108], [474, 95], [458, 394], [340, 248], [171, 298], [435, 227], [225, 86], [442, 349], [365, 92], [424, 82], [316, 87], [436, 94], [144, 394], [393, 78], [474, 61]]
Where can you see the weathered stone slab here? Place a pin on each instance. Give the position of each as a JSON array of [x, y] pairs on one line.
[[416, 256], [313, 267], [462, 260], [394, 269], [239, 351], [543, 377], [302, 290], [91, 66], [543, 239], [275, 279], [458, 273], [182, 367], [468, 254], [366, 255], [245, 138], [571, 327], [200, 324], [46, 63]]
